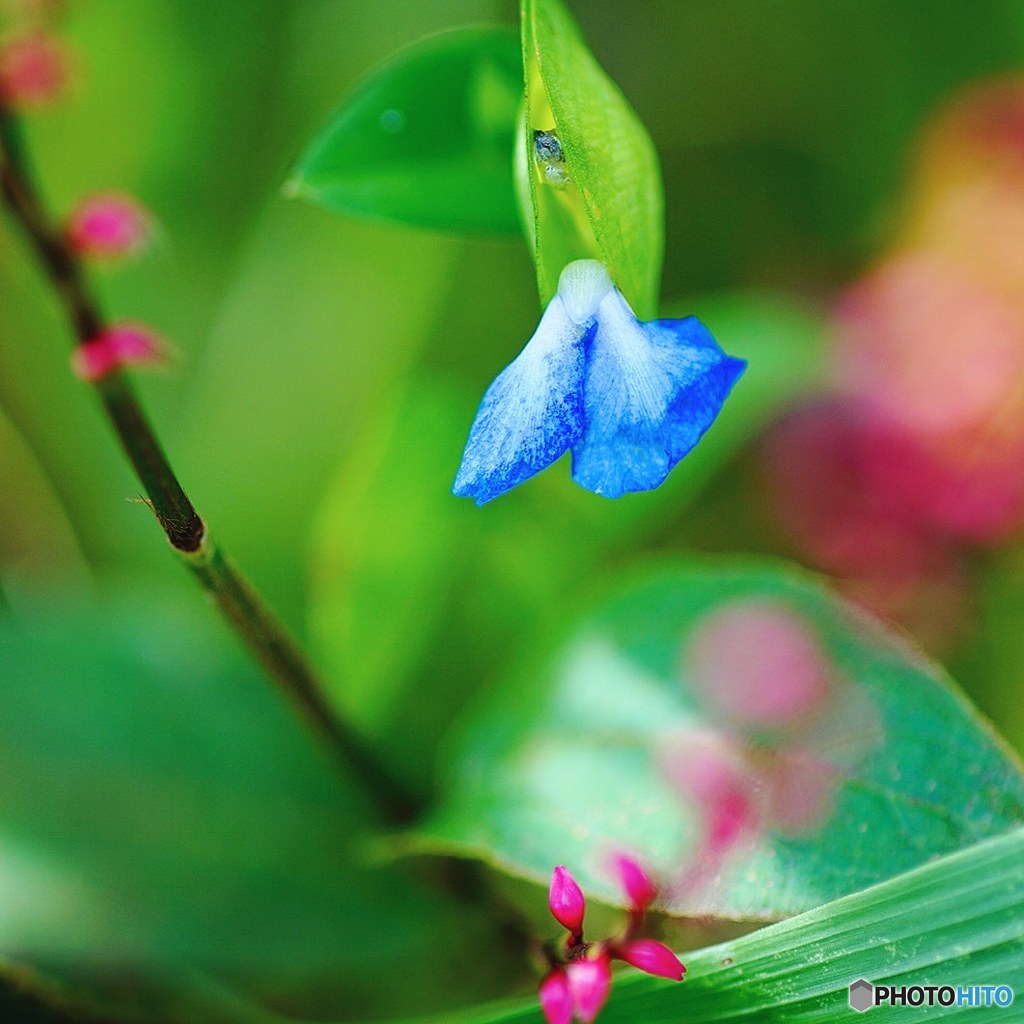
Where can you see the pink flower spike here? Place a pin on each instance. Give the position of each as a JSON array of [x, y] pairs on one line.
[[555, 998], [638, 886], [93, 360], [136, 345], [565, 900], [119, 346], [654, 958], [109, 226], [589, 983], [33, 70]]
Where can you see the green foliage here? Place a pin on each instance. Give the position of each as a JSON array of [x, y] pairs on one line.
[[956, 921], [612, 207], [427, 138], [294, 381], [164, 810], [399, 568], [563, 762], [170, 840], [389, 545]]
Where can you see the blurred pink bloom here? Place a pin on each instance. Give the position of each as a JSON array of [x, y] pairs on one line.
[[565, 901], [799, 791], [928, 348], [555, 997], [109, 226], [654, 958], [589, 983], [33, 70], [640, 890], [859, 501], [966, 201], [818, 483], [709, 770], [967, 487], [930, 343], [756, 664], [120, 346], [923, 450]]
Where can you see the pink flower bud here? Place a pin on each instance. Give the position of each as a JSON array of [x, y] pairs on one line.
[[640, 890], [117, 347], [565, 900], [555, 998], [654, 958], [589, 983], [33, 70], [92, 360], [108, 226]]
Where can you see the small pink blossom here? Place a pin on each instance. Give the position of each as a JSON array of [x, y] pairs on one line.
[[33, 70], [589, 983], [653, 958], [579, 977], [565, 901], [119, 346], [640, 890], [109, 226], [555, 998]]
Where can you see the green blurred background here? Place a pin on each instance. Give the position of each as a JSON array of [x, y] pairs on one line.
[[328, 367]]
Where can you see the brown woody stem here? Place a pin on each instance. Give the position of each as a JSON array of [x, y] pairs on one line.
[[242, 608]]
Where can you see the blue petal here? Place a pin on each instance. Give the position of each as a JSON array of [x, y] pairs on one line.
[[533, 412], [651, 390]]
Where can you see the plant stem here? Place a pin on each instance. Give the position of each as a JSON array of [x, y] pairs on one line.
[[245, 612], [283, 661]]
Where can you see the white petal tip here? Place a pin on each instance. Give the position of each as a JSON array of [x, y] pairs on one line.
[[581, 288]]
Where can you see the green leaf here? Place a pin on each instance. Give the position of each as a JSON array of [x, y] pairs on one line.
[[427, 138], [387, 551], [956, 921], [164, 810], [566, 761], [612, 207]]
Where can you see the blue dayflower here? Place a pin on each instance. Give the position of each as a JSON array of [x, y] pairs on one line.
[[533, 412], [650, 392], [629, 398]]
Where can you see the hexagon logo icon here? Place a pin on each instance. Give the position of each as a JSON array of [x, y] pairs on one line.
[[862, 995]]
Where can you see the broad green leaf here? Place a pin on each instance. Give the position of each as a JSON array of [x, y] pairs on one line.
[[956, 921], [427, 138], [565, 762], [611, 209], [163, 809]]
